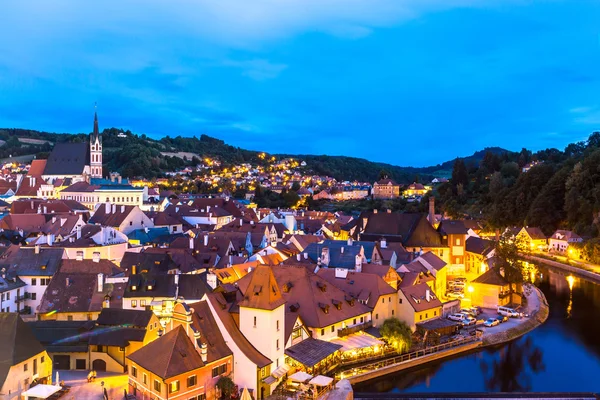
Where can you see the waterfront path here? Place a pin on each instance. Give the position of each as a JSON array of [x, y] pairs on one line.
[[536, 309], [588, 271]]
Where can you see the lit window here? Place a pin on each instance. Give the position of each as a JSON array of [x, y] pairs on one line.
[[174, 387], [133, 303]]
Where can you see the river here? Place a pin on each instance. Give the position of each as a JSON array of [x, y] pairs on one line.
[[562, 355]]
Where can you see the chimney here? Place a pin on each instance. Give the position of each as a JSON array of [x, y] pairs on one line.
[[375, 211], [176, 279], [230, 263], [112, 177], [68, 281], [39, 209], [78, 230], [428, 295], [100, 282], [298, 257], [349, 242], [383, 243], [207, 208], [306, 256], [107, 208], [114, 208], [196, 338], [325, 256], [49, 239], [33, 203], [45, 210], [241, 222], [342, 249], [203, 351], [37, 249], [176, 209], [191, 243], [96, 257], [205, 240], [122, 209], [211, 279], [431, 216], [120, 179], [358, 263]]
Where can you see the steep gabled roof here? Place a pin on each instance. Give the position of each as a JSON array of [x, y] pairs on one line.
[[417, 297], [68, 159], [263, 291], [170, 355], [18, 343], [491, 277]]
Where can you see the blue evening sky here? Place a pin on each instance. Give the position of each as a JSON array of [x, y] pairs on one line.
[[409, 82]]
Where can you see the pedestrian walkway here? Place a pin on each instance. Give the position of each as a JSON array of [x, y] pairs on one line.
[[114, 383]]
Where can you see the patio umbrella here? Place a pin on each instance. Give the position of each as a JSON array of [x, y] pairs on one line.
[[300, 376], [245, 395], [321, 380]]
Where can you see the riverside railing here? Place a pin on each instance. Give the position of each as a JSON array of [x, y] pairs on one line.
[[403, 358]]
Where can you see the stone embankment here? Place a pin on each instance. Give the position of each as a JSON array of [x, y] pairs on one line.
[[537, 316], [592, 276]]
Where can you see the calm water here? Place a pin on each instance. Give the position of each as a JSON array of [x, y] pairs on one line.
[[561, 355]]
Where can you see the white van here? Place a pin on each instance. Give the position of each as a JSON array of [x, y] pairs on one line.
[[507, 312]]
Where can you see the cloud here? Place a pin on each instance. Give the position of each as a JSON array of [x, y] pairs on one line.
[[257, 69]]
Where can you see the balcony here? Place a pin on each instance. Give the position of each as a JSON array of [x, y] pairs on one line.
[[25, 311], [23, 297], [353, 329]]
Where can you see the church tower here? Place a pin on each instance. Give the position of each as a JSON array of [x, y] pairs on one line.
[[96, 151]]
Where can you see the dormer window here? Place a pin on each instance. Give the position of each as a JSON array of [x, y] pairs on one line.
[[337, 304], [257, 289], [324, 307], [322, 286]]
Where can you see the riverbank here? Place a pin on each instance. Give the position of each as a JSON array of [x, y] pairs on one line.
[[537, 309], [594, 277]]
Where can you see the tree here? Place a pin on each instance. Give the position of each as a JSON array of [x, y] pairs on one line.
[[383, 174], [295, 186], [460, 176], [397, 334], [226, 387], [508, 262]]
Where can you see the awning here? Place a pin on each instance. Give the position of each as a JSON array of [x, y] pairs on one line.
[[281, 371], [41, 391], [321, 380], [269, 380], [358, 340], [300, 376], [310, 352]]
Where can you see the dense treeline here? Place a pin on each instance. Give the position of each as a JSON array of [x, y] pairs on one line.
[[561, 191]]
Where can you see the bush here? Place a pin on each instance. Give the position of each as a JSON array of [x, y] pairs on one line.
[[226, 387], [397, 334]]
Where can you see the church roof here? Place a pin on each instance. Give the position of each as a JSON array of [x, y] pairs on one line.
[[68, 159]]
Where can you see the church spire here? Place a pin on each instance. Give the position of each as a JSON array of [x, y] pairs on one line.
[[96, 132]]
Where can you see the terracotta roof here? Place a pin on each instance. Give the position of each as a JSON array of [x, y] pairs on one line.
[[310, 352], [191, 286], [29, 223], [417, 297], [565, 235], [360, 285], [29, 186], [263, 291], [18, 343], [386, 181], [221, 307], [37, 168], [310, 296], [491, 277], [170, 355], [26, 262]]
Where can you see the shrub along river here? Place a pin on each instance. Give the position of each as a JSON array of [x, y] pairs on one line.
[[562, 355]]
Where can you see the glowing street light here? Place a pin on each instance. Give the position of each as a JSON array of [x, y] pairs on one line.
[[571, 281], [471, 289]]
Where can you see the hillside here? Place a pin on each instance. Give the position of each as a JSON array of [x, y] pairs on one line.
[[138, 155]]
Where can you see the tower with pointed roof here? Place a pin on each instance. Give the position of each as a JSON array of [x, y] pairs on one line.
[[96, 150], [262, 315]]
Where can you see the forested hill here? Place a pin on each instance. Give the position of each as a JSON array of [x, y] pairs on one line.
[[561, 191], [138, 155]]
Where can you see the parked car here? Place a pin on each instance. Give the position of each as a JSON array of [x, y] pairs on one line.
[[502, 318], [456, 317], [491, 322], [457, 284], [477, 310], [460, 279], [509, 312], [455, 295], [468, 311], [468, 321]]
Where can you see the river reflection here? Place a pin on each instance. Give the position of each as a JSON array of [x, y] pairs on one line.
[[561, 355]]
